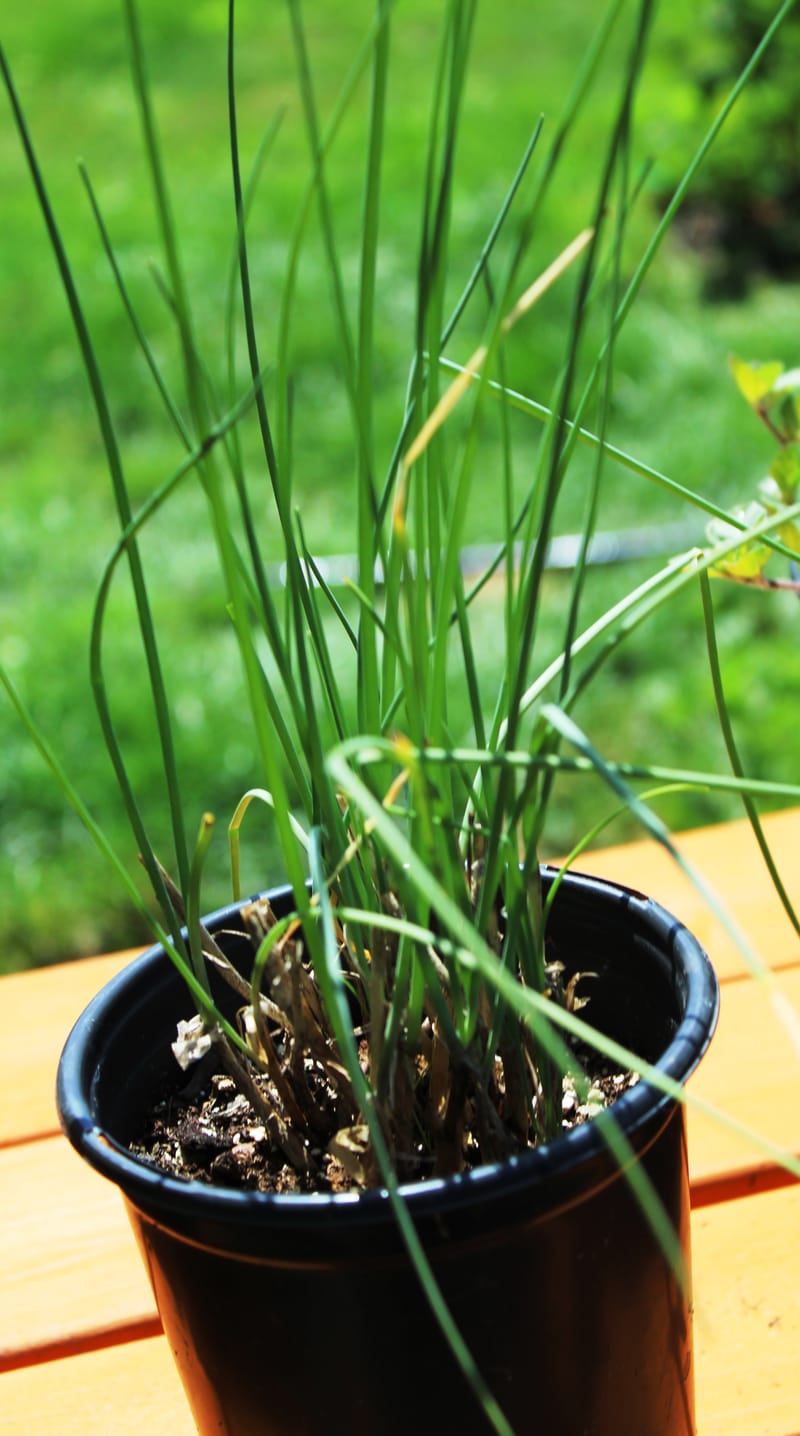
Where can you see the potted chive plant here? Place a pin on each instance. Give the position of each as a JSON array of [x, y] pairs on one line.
[[365, 1123]]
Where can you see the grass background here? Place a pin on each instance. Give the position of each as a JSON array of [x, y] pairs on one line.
[[675, 407]]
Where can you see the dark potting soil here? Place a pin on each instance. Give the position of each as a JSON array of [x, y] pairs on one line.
[[290, 1121], [211, 1133]]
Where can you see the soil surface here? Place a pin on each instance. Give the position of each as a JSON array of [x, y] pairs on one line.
[[290, 1119], [211, 1133]]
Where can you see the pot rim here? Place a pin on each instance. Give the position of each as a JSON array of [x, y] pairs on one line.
[[642, 1104]]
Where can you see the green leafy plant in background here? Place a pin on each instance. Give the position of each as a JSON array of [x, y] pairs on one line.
[[773, 393], [411, 842]]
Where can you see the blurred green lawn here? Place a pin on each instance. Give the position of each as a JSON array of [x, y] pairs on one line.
[[675, 408]]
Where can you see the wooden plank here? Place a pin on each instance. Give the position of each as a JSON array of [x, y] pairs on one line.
[[121, 1391], [46, 1250], [72, 1274], [37, 1011], [752, 1072], [68, 1257], [747, 1316], [747, 1345], [729, 860]]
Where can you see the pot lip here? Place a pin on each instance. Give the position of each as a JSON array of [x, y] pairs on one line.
[[145, 1185]]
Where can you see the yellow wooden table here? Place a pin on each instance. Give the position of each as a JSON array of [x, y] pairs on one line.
[[81, 1352]]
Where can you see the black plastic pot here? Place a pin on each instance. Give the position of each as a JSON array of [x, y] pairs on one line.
[[300, 1315]]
